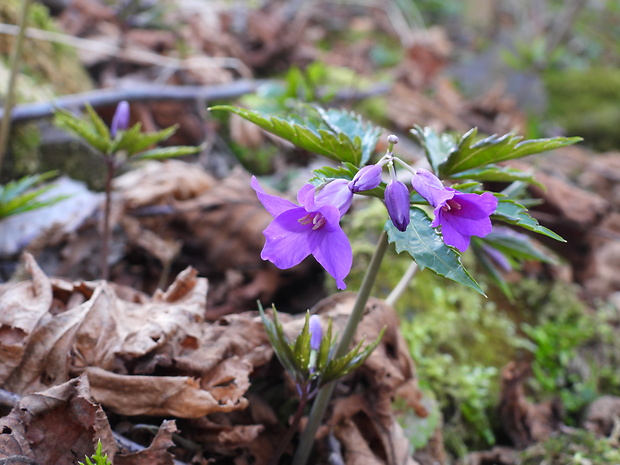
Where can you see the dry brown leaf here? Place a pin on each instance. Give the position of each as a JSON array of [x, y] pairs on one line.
[[179, 396], [524, 422], [157, 183], [156, 453], [66, 410], [22, 306]]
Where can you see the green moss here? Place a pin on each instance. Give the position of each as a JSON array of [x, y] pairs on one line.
[[585, 102]]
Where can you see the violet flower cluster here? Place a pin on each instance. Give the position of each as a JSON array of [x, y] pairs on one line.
[[313, 226]]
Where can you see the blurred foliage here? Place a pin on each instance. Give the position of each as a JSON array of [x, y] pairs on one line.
[[23, 195], [577, 448], [585, 102]]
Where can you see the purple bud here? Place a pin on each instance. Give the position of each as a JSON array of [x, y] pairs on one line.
[[392, 139], [367, 178], [398, 204], [120, 121], [316, 332]]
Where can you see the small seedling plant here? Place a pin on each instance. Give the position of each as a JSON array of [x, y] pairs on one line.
[[436, 214], [118, 145]]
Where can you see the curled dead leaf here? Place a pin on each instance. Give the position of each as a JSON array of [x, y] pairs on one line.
[[179, 396]]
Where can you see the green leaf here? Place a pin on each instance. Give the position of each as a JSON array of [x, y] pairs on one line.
[[166, 152], [352, 125], [85, 130], [100, 127], [517, 245], [278, 341], [134, 141], [323, 139], [490, 267], [437, 148], [494, 149], [496, 173], [301, 349], [428, 250], [16, 198], [512, 212]]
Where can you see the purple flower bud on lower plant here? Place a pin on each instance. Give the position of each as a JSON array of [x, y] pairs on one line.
[[366, 179], [398, 204], [316, 332], [120, 120]]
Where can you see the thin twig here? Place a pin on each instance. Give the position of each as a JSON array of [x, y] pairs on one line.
[[132, 54], [5, 124]]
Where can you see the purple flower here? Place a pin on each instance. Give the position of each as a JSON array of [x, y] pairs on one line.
[[120, 120], [459, 215], [397, 203], [316, 332], [365, 179], [312, 227]]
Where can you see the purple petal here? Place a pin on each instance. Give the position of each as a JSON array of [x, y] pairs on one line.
[[430, 187], [335, 255], [273, 204], [366, 179], [288, 241], [305, 196], [453, 237], [316, 332], [398, 204], [335, 193], [475, 206]]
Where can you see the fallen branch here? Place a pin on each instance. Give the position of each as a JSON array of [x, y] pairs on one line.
[[152, 93]]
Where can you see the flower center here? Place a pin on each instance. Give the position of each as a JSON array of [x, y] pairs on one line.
[[316, 218], [451, 204]]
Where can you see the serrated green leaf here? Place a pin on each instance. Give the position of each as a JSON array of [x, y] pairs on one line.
[[305, 134], [16, 198], [301, 350], [278, 341], [100, 127], [163, 153], [134, 141], [325, 349], [494, 149], [428, 250], [496, 173], [349, 123], [512, 212], [81, 128], [437, 148]]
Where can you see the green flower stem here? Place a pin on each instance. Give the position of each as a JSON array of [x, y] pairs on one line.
[[107, 234], [14, 66], [325, 393]]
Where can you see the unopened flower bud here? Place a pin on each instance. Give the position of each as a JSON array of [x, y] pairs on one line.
[[366, 179], [120, 121], [398, 204], [392, 139], [316, 332]]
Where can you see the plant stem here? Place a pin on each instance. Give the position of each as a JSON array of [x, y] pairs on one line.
[[105, 243], [291, 431], [5, 124], [322, 399], [402, 284]]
